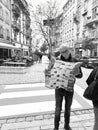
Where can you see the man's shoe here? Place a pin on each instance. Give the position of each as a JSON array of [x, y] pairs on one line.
[[69, 128], [55, 129]]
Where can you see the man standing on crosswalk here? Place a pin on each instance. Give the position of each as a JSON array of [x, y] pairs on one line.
[[65, 55]]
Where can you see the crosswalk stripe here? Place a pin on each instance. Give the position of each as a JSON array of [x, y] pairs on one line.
[[42, 105], [80, 92], [32, 108], [77, 89], [25, 85], [26, 94]]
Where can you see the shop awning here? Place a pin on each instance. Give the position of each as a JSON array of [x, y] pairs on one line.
[[6, 45]]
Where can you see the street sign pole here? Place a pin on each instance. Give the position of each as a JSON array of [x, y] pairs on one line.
[[50, 44], [49, 23]]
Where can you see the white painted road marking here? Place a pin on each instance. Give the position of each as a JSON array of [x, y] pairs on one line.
[[80, 92], [33, 107], [26, 94], [25, 85]]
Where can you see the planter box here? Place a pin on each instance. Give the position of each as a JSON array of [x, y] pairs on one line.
[[12, 69]]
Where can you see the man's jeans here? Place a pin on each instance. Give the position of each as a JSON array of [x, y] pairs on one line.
[[59, 94]]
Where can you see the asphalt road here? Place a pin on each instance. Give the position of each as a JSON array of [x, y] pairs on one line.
[[34, 97]]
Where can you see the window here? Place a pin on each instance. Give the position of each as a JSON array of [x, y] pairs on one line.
[[1, 12], [94, 12], [7, 34], [15, 36], [1, 32], [7, 17]]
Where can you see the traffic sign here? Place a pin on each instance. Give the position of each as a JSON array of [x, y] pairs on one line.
[[48, 22]]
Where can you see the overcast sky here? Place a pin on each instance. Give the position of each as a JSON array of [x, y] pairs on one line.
[[36, 2]]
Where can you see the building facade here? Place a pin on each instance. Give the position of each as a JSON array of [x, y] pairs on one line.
[[15, 31], [78, 20], [68, 25], [88, 27], [5, 29], [21, 31], [91, 24]]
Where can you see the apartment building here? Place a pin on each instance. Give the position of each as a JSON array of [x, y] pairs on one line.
[[68, 25], [79, 21], [21, 31], [91, 24], [6, 46], [87, 27], [15, 31]]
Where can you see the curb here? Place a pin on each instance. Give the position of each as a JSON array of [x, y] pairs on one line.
[[73, 112], [80, 120]]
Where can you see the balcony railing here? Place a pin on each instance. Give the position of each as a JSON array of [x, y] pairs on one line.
[[92, 35], [28, 22], [91, 22], [16, 26]]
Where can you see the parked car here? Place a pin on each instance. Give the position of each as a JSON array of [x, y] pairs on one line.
[[28, 60], [89, 62]]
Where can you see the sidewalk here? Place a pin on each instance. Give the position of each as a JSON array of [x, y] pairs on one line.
[[80, 119], [33, 74]]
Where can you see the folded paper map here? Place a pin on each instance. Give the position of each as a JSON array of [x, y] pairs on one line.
[[61, 73]]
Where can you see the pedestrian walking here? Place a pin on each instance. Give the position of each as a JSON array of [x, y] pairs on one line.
[[89, 80], [66, 56]]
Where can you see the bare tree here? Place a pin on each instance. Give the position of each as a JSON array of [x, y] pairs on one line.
[[44, 20]]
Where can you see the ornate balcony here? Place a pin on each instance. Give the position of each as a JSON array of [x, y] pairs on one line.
[[16, 10], [91, 23], [16, 26], [93, 35], [24, 6], [28, 22], [28, 33]]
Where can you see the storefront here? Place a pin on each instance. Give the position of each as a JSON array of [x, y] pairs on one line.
[[6, 50], [25, 51]]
